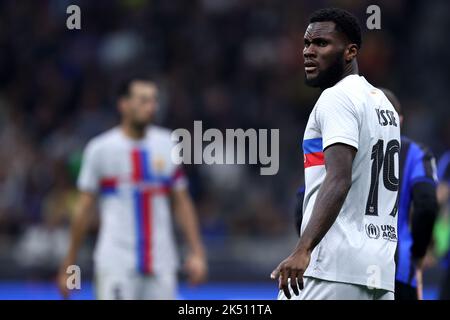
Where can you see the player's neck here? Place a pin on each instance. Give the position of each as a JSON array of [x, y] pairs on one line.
[[351, 68], [133, 132]]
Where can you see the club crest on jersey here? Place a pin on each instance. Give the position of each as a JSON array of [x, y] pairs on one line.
[[159, 164]]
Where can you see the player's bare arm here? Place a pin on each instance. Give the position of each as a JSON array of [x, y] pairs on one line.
[[80, 223], [195, 265], [331, 197]]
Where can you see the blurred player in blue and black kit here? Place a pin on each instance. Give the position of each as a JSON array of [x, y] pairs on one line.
[[417, 190], [418, 181], [444, 201]]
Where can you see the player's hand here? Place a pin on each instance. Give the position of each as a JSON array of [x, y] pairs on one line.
[[429, 260], [419, 265], [291, 271], [419, 279], [62, 281], [196, 268]]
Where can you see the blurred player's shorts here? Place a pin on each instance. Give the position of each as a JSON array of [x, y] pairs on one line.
[[131, 285]]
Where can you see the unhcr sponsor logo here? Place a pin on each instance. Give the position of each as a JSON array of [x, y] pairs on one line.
[[388, 232], [385, 231]]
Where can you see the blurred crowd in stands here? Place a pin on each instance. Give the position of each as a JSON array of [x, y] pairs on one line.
[[229, 63]]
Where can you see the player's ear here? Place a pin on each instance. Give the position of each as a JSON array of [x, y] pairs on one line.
[[351, 52]]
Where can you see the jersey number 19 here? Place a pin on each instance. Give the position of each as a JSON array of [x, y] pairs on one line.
[[390, 181]]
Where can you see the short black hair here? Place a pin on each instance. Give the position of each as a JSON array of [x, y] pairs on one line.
[[345, 22], [123, 89]]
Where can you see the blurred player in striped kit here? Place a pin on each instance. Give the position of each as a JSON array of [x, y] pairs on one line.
[[128, 171]]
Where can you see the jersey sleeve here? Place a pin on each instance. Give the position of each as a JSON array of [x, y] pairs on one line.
[[88, 179], [337, 119], [177, 174], [424, 167]]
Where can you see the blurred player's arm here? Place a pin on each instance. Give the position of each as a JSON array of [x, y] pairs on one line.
[[422, 223], [338, 161], [443, 190], [79, 226], [88, 182], [185, 215], [424, 214], [423, 217]]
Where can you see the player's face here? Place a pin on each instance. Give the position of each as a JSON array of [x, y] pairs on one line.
[[323, 54], [141, 104]]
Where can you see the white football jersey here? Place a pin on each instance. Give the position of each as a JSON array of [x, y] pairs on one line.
[[360, 246], [133, 179]]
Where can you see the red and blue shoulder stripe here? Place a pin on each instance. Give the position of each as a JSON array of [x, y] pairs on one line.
[[313, 152]]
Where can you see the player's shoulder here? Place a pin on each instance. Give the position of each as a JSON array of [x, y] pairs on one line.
[[355, 87], [349, 84], [347, 89], [406, 141], [419, 149], [105, 138], [445, 156], [341, 95], [444, 165], [422, 147]]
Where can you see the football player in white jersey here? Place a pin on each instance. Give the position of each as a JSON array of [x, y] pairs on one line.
[[128, 171], [351, 148]]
